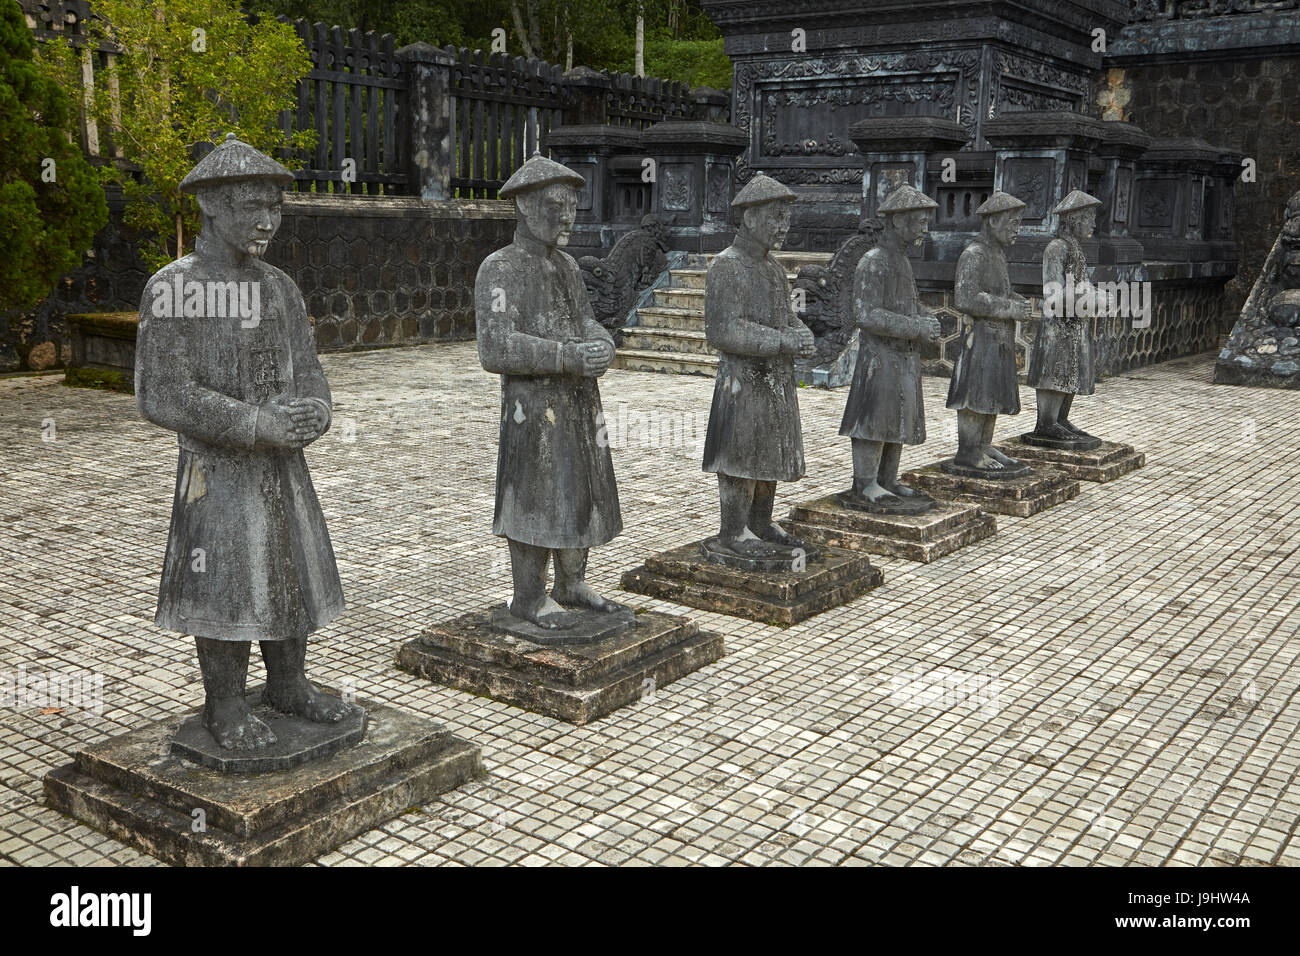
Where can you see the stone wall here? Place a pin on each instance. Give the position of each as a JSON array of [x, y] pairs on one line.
[[374, 271], [388, 271], [1231, 80]]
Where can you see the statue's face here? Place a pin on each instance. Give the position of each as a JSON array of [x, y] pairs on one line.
[[549, 213], [244, 216], [912, 225], [1005, 226], [1081, 222], [769, 223]]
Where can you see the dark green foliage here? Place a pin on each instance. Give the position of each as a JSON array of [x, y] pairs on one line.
[[45, 227]]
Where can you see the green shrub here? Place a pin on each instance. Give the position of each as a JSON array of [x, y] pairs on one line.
[[51, 203]]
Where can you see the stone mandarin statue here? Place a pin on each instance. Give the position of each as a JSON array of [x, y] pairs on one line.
[[885, 409], [754, 437], [1062, 365], [555, 491], [984, 382], [248, 555]]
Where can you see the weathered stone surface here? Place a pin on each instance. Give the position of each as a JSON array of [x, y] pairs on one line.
[[132, 788], [1040, 489], [683, 575], [784, 559], [1264, 344], [1108, 461], [574, 682], [925, 537], [590, 626], [298, 740]]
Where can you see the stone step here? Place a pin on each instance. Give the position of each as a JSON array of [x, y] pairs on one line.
[[679, 363], [652, 317], [641, 339], [695, 278], [675, 297]]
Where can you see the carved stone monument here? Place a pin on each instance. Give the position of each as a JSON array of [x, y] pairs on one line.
[[226, 359], [885, 409], [984, 383], [1063, 362], [572, 654], [1264, 347], [753, 567]]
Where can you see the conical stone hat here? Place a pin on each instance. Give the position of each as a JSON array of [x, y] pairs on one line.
[[234, 161], [537, 172]]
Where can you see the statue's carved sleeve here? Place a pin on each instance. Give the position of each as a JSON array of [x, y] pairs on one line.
[[168, 394], [869, 285], [1054, 264], [308, 377], [502, 348], [968, 291], [726, 299]]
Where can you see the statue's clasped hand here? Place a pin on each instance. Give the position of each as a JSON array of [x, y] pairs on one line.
[[291, 424], [799, 341], [589, 358]]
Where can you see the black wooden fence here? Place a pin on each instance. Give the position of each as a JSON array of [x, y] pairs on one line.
[[355, 98]]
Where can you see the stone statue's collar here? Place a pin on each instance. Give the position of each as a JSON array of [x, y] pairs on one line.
[[749, 246], [529, 244]]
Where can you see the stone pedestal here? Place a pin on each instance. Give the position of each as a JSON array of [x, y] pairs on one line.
[[1040, 488], [1108, 461], [138, 790], [925, 537], [578, 680], [685, 575]]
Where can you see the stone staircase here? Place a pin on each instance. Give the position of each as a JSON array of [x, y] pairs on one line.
[[669, 333]]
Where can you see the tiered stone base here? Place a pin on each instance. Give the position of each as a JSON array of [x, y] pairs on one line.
[[137, 790], [945, 528], [1042, 487], [576, 682], [685, 576], [1106, 462]]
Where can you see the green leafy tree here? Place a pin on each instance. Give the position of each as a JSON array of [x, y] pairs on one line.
[[51, 204], [185, 73]]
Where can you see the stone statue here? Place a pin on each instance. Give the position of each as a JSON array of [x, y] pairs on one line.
[[828, 292], [1062, 364], [555, 491], [884, 409], [225, 358], [983, 382], [614, 282], [754, 437], [1264, 347]]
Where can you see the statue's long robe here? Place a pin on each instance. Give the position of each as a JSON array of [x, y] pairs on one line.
[[1062, 358], [885, 402], [984, 371], [754, 429], [248, 555], [555, 477]]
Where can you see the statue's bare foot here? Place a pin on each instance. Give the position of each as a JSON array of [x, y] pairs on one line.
[[581, 595], [301, 699], [545, 613], [855, 496], [775, 534], [1056, 431], [751, 547], [979, 461], [1074, 429], [234, 726], [998, 456], [905, 491]]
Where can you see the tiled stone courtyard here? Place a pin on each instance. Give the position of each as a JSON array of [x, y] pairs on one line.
[[1110, 682]]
